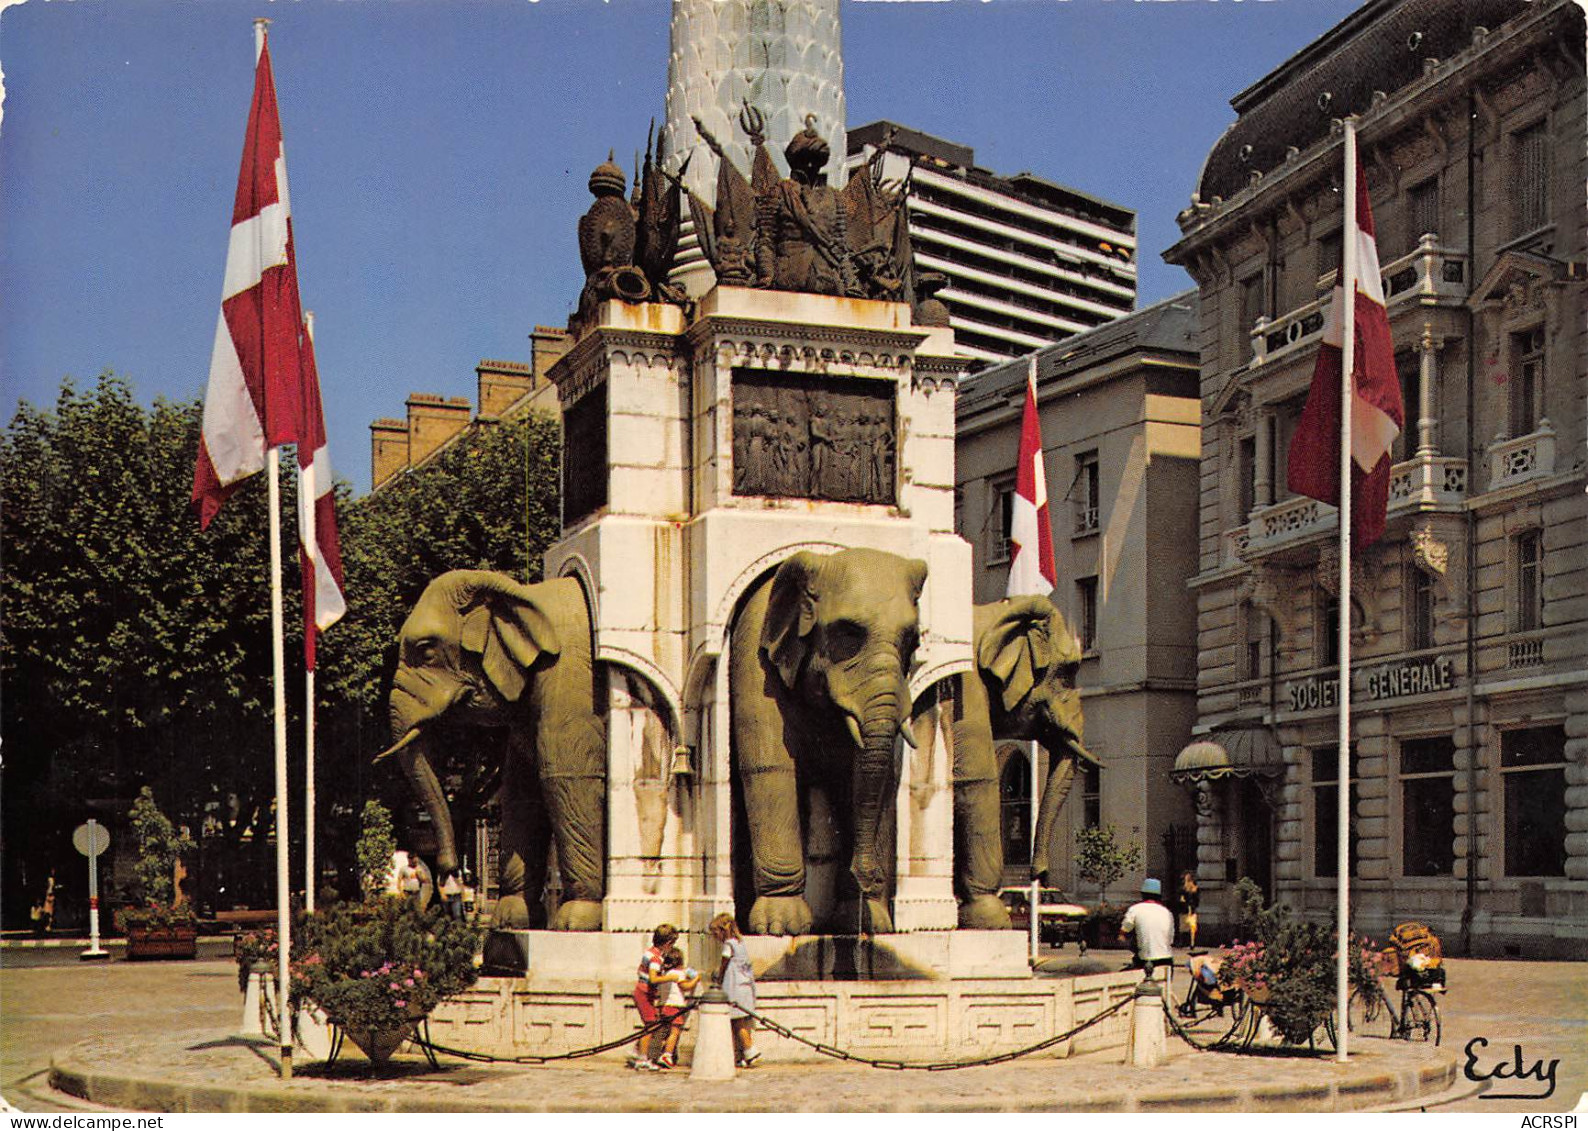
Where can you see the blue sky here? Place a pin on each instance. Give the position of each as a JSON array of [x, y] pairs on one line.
[[438, 152]]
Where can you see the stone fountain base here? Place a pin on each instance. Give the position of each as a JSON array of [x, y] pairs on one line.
[[924, 996]]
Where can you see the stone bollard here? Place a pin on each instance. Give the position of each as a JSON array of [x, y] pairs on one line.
[[251, 1026], [714, 1042], [1148, 1044]]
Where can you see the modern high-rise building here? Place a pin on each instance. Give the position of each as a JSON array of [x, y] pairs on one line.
[[1029, 262]]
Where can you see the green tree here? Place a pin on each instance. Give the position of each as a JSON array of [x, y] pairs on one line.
[[136, 649], [376, 844], [159, 845], [1101, 859]]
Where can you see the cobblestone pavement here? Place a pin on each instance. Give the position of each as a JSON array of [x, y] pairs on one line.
[[169, 1025]]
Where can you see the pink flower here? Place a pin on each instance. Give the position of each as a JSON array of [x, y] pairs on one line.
[[399, 1003], [418, 973], [408, 981], [394, 985]]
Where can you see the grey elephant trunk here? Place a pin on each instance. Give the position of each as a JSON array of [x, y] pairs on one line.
[[412, 752], [873, 782]]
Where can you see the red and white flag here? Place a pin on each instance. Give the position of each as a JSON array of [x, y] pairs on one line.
[[319, 546], [1377, 413], [1031, 569], [256, 370]]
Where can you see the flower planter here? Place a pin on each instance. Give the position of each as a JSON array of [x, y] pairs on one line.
[[379, 1044], [162, 942]]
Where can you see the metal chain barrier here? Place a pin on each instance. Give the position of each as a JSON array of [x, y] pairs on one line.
[[485, 1058], [431, 1048], [941, 1066], [1185, 1034]]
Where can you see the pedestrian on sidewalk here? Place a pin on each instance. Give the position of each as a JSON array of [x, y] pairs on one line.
[[737, 979], [645, 978], [46, 918], [452, 895], [1190, 897], [1149, 928], [673, 986]]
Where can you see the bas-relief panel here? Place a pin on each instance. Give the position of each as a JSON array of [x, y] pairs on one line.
[[799, 436]]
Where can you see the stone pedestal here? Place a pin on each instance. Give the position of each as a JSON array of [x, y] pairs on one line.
[[667, 536]]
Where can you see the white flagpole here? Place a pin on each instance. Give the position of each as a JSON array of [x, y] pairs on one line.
[[1036, 883], [1342, 855], [307, 532], [278, 675]]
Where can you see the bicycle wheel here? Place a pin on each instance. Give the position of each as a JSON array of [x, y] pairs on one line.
[[1420, 1019], [1365, 1011]]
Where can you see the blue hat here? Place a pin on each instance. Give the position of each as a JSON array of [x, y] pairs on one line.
[[1151, 887]]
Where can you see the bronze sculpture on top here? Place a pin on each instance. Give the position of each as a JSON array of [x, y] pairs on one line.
[[628, 248], [797, 233]]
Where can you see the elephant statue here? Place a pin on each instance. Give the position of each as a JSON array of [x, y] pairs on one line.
[[1023, 687], [481, 649], [817, 696]]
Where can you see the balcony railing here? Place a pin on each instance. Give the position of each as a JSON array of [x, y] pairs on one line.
[[1526, 457], [1086, 520], [1429, 272], [1525, 653], [1423, 483], [1235, 542]]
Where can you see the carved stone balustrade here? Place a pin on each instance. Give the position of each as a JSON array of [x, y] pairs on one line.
[[1430, 274], [1524, 458], [1424, 483]]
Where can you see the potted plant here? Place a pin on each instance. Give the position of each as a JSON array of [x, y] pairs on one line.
[[1101, 859], [162, 924], [377, 968]]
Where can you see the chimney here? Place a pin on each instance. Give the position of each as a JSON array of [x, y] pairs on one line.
[[432, 421], [547, 344], [502, 383], [388, 449]]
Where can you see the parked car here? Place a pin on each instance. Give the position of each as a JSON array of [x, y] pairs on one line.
[[1059, 920]]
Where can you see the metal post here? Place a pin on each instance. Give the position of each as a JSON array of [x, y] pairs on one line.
[[94, 949]]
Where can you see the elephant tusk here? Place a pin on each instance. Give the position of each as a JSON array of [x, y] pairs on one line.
[[405, 740], [854, 730], [906, 733]]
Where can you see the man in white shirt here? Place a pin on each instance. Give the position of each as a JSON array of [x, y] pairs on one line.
[[1149, 927]]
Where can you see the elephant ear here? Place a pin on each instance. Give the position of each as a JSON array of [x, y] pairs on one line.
[[790, 616], [509, 631], [1021, 647]]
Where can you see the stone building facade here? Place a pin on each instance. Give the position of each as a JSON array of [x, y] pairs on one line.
[[1120, 420], [1470, 617]]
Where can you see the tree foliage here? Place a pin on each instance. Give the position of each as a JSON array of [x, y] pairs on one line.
[[136, 648], [1101, 859]]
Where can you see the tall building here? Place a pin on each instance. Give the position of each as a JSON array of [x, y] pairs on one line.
[[1119, 413], [1469, 618], [1029, 262]]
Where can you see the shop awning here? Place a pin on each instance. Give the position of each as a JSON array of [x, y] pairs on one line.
[[1230, 752]]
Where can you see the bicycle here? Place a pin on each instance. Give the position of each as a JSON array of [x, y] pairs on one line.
[[1418, 1017]]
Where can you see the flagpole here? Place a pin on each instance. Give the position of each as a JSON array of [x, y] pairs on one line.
[[308, 534], [278, 669], [1342, 855]]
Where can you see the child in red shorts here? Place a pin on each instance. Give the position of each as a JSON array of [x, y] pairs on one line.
[[673, 986], [645, 979]]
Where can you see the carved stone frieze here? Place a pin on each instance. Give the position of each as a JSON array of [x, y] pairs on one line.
[[1269, 590], [1364, 587], [799, 437], [1429, 554]]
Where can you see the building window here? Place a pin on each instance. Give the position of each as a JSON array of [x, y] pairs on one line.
[[1091, 796], [1428, 806], [1529, 607], [1527, 380], [1325, 818], [1087, 494], [1253, 624], [1419, 618], [1422, 211], [1086, 612], [1408, 367], [1014, 797], [1533, 764], [1252, 305], [1329, 252], [1326, 629], [1001, 521], [1246, 474], [1529, 178]]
